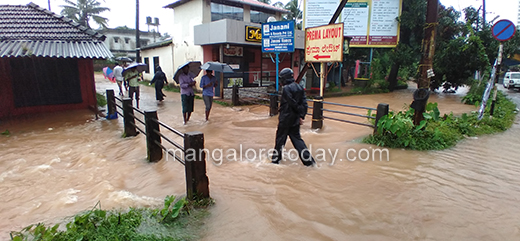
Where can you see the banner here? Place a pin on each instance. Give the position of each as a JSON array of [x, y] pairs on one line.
[[370, 23]]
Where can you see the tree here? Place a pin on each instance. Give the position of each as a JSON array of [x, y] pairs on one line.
[[265, 1], [408, 50], [82, 11]]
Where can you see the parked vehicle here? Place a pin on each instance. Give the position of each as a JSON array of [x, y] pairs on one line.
[[512, 80]]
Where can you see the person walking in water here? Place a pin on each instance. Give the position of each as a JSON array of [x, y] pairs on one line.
[[118, 74], [159, 79], [293, 108], [208, 84], [133, 77], [187, 96]]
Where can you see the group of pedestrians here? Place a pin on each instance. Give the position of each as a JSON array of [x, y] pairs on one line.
[[292, 110]]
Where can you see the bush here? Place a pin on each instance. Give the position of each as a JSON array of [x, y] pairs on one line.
[[101, 100], [396, 130]]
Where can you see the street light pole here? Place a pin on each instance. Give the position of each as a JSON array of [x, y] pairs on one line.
[[484, 13], [137, 40]]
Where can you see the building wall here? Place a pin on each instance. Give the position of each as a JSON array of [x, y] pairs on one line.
[[165, 55], [122, 47], [7, 106], [185, 17]]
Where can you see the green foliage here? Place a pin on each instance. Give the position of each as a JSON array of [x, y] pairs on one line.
[[6, 133], [172, 222], [101, 100], [82, 11], [436, 132], [474, 96]]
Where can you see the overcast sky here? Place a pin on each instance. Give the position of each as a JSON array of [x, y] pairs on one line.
[[123, 11]]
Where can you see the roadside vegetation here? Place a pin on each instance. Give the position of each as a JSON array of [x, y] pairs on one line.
[[436, 132], [178, 219]]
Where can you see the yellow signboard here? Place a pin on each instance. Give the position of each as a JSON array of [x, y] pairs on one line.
[[324, 43], [253, 34]]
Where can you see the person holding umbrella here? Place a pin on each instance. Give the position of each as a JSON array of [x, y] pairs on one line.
[[208, 84], [159, 79], [187, 96], [132, 74]]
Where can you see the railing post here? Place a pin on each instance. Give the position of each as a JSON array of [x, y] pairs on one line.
[[382, 110], [234, 95], [154, 150], [111, 105], [197, 183], [128, 116], [273, 104], [317, 113]]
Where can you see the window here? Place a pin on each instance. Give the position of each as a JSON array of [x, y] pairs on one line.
[[127, 40], [259, 17], [220, 11], [147, 62], [155, 63], [116, 39]]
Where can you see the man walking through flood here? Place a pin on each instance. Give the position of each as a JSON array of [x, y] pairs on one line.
[[293, 108]]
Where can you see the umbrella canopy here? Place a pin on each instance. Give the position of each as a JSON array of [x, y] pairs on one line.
[[124, 59], [139, 66], [194, 68], [217, 67], [109, 74]]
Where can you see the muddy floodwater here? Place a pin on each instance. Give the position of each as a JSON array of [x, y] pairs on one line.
[[54, 166]]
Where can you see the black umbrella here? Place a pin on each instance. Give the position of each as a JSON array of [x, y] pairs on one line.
[[194, 68], [124, 59], [139, 66]]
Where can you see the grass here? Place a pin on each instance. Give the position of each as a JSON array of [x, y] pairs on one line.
[[178, 219]]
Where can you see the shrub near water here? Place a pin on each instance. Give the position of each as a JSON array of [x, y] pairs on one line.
[[396, 130], [176, 220]]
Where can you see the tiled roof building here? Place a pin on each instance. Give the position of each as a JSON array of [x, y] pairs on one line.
[[32, 30]]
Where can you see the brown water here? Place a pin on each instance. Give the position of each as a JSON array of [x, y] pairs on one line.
[[54, 166]]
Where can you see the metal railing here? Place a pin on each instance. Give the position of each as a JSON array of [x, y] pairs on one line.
[[317, 108], [197, 183]]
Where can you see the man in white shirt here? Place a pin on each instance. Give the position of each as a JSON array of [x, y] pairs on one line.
[[118, 74]]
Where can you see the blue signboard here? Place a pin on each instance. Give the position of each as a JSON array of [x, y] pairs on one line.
[[503, 30], [278, 37]]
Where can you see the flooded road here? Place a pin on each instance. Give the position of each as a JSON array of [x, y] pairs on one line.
[[57, 165]]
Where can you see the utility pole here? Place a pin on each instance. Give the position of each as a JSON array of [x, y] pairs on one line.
[[137, 40], [484, 13], [422, 93], [49, 2]]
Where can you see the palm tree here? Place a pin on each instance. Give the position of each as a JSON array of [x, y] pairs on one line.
[[295, 13], [83, 10]]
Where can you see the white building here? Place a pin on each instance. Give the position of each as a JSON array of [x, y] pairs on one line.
[[121, 42], [159, 54]]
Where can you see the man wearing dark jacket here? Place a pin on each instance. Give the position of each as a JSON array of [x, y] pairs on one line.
[[159, 79], [293, 108]]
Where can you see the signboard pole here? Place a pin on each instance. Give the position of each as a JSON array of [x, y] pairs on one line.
[[495, 81], [277, 66], [322, 78]]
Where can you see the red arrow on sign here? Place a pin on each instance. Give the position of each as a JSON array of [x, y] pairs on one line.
[[321, 56]]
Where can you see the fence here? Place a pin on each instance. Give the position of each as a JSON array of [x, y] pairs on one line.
[[197, 183], [317, 108]]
